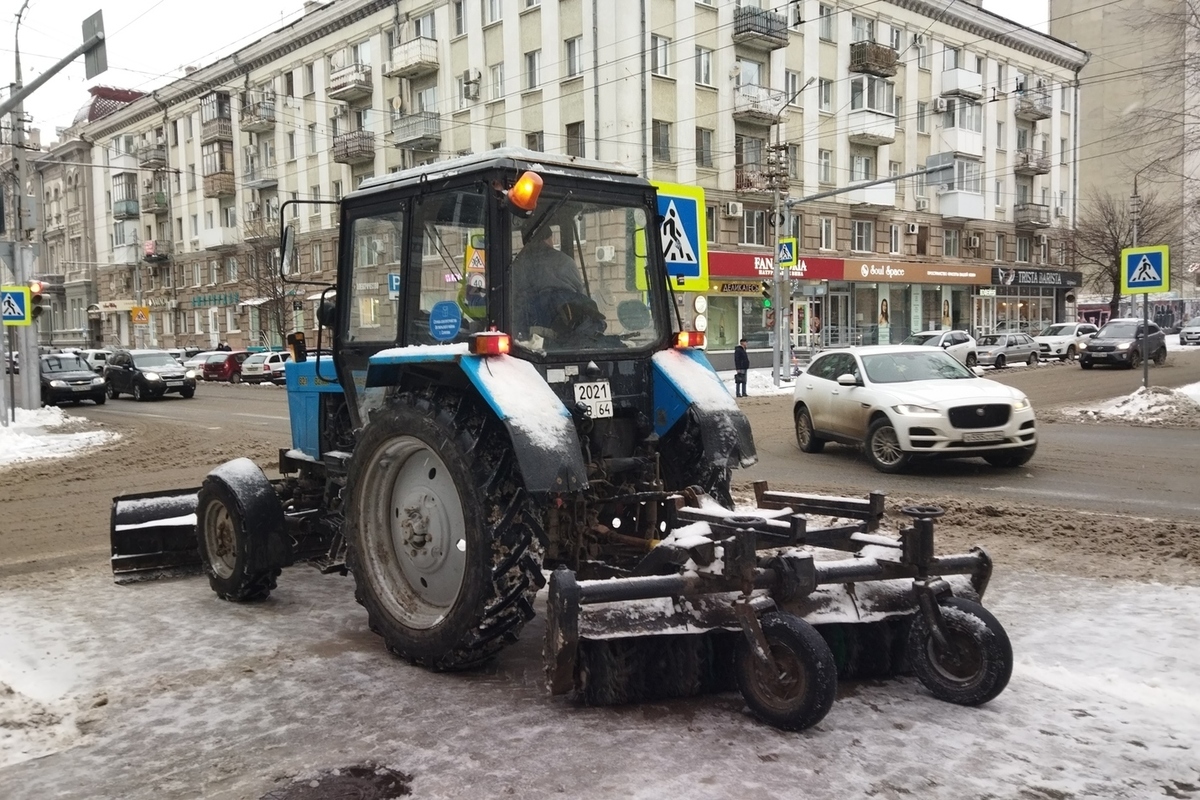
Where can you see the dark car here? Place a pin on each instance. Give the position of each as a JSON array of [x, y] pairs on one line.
[[225, 366], [68, 378], [1120, 343], [146, 374]]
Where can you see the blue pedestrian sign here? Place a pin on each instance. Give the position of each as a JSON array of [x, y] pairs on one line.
[[785, 253], [14, 303], [1145, 270], [684, 235]]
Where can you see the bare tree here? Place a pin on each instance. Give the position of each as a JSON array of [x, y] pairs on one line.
[[261, 280], [1105, 228]]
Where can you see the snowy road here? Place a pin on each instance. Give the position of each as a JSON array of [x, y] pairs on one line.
[[162, 691]]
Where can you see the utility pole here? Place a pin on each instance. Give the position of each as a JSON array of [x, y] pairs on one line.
[[1135, 213]]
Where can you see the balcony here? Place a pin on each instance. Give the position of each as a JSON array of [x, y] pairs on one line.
[[1031, 215], [413, 59], [757, 105], [962, 83], [350, 83], [154, 203], [1033, 104], [1032, 162], [127, 253], [214, 130], [873, 59], [759, 28], [75, 218], [258, 177], [258, 116], [879, 196], [962, 140], [420, 131], [752, 179], [219, 184], [152, 156], [354, 147], [871, 128], [957, 204], [156, 250], [125, 209], [219, 238]]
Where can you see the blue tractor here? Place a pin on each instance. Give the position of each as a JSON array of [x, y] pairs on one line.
[[507, 390]]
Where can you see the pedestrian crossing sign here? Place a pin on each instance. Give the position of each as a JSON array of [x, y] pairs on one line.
[[684, 235], [14, 303], [786, 255], [1145, 270]]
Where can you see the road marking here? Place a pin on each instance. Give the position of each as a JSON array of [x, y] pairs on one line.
[[1075, 495], [134, 413], [261, 416]]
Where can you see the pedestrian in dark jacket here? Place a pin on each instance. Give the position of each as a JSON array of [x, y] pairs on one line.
[[741, 364]]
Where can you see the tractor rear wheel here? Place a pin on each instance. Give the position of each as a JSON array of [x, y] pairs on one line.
[[974, 664], [444, 543], [234, 559], [799, 692]]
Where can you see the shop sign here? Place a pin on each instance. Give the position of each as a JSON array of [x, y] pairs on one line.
[[218, 299], [1035, 277], [752, 265], [732, 287], [884, 271], [116, 305]]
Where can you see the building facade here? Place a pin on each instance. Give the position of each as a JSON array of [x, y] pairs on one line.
[[760, 103]]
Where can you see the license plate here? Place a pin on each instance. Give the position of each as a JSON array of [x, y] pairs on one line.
[[1099, 355], [984, 436], [174, 383], [80, 388], [596, 396]]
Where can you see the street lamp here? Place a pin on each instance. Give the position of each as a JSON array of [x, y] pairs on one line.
[[776, 219]]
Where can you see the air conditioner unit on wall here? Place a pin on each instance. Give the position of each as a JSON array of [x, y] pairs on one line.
[[1060, 211], [973, 242], [606, 253], [913, 228], [922, 204], [733, 209], [939, 104]]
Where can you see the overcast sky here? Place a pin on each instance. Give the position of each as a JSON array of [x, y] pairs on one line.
[[151, 41]]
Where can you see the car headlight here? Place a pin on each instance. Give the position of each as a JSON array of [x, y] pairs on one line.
[[97, 381], [910, 410], [152, 376], [1128, 346], [1021, 405], [191, 373], [1083, 345], [59, 384]]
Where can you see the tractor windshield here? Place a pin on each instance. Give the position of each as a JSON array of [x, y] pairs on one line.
[[579, 278]]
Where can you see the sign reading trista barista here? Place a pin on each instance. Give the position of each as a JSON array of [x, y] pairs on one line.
[[909, 272]]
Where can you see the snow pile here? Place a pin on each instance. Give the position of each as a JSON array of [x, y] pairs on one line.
[[36, 435], [1157, 406]]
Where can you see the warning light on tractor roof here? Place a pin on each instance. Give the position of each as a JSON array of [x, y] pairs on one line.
[[525, 192]]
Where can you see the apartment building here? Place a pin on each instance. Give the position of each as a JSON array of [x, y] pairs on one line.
[[740, 98]]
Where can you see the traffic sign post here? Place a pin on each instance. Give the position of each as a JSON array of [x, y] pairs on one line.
[[1146, 270]]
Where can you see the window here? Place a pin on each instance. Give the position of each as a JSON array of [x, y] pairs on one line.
[[532, 3], [662, 140], [1062, 151], [825, 166], [825, 27], [826, 226], [894, 168], [1065, 98], [710, 222], [1000, 76], [862, 29], [963, 114], [897, 39], [919, 185], [952, 56], [491, 11], [310, 79], [231, 269], [862, 167], [575, 139], [754, 226], [967, 176], [951, 238], [1062, 201], [862, 235], [793, 162], [197, 275], [898, 110], [660, 55], [360, 53], [1000, 143], [460, 18], [312, 138], [704, 66], [533, 69], [704, 152], [873, 94], [337, 190], [1001, 247], [535, 141], [825, 95], [792, 85], [1023, 249], [291, 145], [574, 58], [922, 117], [999, 193], [921, 45], [314, 251], [496, 80], [894, 238], [427, 99]]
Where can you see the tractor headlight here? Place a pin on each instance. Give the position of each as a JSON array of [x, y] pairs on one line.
[[152, 376], [909, 410], [59, 384]]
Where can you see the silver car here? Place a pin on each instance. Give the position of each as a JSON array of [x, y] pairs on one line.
[[1190, 332], [1001, 349]]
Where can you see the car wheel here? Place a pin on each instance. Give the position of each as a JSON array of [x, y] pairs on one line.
[[1015, 457], [113, 394], [883, 447], [971, 360], [235, 377], [1000, 362], [188, 394], [1085, 363], [139, 393], [100, 399], [1135, 359], [808, 441], [1070, 356], [1033, 359], [1160, 357]]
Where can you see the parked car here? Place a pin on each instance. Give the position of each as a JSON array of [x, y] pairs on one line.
[[903, 402], [66, 377], [1062, 339], [147, 374], [959, 344], [264, 367], [196, 360], [1001, 349], [1189, 332], [1119, 343], [225, 366], [95, 357], [177, 354]]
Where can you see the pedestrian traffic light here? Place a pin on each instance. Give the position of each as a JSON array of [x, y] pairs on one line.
[[36, 288], [767, 294]]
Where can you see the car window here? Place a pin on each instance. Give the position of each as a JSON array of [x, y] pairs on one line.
[[822, 367], [64, 363], [990, 341], [1153, 329], [257, 358], [148, 360], [216, 358], [1118, 330], [906, 367], [840, 364], [928, 339], [958, 337]]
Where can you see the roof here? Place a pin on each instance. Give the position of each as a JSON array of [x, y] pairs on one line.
[[105, 100]]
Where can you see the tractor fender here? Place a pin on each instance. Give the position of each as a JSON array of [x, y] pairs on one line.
[[685, 382], [543, 435], [258, 505]]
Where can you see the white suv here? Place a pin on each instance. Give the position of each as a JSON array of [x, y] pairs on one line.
[[95, 358], [1062, 340]]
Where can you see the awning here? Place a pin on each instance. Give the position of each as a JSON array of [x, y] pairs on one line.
[[254, 301], [317, 295]]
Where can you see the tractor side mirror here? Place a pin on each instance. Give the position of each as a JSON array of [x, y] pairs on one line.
[[287, 250], [327, 313]]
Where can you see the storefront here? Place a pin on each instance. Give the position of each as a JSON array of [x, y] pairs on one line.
[[1026, 300]]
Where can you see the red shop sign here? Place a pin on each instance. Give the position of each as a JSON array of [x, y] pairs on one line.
[[751, 265]]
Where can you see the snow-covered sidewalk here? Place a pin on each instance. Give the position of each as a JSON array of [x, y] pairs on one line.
[[47, 433]]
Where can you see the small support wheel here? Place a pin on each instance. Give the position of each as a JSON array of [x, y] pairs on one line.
[[808, 441], [975, 662], [799, 692], [923, 512], [235, 560]]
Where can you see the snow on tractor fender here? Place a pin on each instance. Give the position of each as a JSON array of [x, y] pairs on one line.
[[684, 381], [543, 435]]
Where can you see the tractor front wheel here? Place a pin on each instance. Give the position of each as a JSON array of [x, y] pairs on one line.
[[234, 559], [799, 691], [972, 665], [443, 542]]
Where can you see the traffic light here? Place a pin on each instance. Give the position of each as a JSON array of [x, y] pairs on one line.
[[767, 294], [36, 288]]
